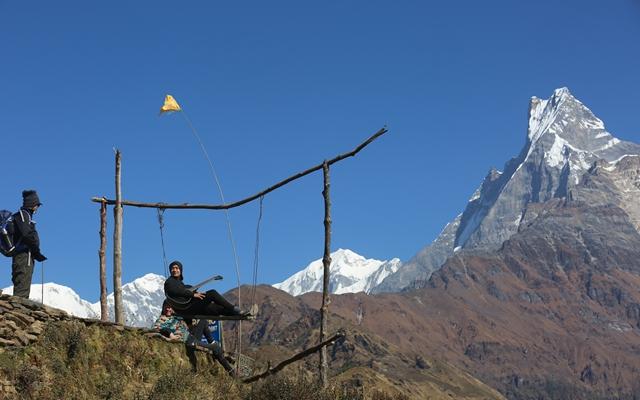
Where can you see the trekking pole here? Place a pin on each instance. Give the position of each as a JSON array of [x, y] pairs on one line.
[[42, 282]]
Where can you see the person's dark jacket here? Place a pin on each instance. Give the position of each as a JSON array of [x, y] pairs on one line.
[[174, 288], [25, 235]]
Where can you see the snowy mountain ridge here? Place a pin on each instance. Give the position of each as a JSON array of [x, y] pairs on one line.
[[61, 297], [350, 273], [141, 298]]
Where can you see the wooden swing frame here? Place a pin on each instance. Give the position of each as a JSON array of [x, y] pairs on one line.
[[118, 203]]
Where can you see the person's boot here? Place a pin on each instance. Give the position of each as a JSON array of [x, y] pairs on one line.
[[218, 354], [190, 342], [241, 313]]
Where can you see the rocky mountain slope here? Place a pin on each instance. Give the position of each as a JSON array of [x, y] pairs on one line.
[[554, 313], [564, 139], [287, 324], [537, 294]]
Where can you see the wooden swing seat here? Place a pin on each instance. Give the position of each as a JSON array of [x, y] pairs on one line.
[[219, 317]]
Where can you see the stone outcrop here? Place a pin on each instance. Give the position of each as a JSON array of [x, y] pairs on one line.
[[47, 354], [22, 321]]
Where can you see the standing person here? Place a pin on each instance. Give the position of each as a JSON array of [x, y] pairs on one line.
[[27, 244]]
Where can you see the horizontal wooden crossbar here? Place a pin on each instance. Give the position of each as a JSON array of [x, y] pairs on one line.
[[166, 206]]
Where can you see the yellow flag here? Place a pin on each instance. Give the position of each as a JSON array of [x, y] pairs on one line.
[[170, 105]]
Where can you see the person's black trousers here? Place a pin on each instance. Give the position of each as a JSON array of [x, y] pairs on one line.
[[21, 273], [198, 330], [212, 304]]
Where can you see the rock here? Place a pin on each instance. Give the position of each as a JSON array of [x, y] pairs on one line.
[[20, 319], [24, 338], [6, 388], [36, 328], [6, 305], [421, 363], [10, 324], [7, 342], [6, 332], [40, 315], [29, 304], [19, 307]]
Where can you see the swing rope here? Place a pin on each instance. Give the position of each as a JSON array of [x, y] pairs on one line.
[[164, 254], [256, 255]]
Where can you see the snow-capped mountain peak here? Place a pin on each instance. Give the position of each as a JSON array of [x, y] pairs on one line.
[[564, 141], [350, 273], [147, 284], [142, 300], [542, 113], [567, 126]]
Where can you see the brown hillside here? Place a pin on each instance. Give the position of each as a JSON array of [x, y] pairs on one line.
[[364, 360], [554, 314]]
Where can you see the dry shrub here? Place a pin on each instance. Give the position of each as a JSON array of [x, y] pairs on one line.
[[280, 387], [28, 380]]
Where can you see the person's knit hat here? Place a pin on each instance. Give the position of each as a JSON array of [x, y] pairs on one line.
[[179, 264], [30, 199]]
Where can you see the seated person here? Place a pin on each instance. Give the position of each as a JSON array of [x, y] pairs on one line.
[[188, 302], [170, 325], [174, 327]]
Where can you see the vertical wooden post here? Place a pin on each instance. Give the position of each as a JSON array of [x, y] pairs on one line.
[[104, 312], [326, 262], [117, 248]]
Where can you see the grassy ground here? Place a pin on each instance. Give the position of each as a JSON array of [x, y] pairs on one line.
[[75, 361]]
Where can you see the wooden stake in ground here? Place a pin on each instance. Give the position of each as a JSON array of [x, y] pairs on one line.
[[104, 312], [117, 248], [326, 262]]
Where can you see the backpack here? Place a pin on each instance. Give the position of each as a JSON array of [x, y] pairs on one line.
[[7, 247]]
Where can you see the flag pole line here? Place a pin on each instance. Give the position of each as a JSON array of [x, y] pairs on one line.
[[226, 214]]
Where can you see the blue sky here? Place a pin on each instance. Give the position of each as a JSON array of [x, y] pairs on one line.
[[274, 88]]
